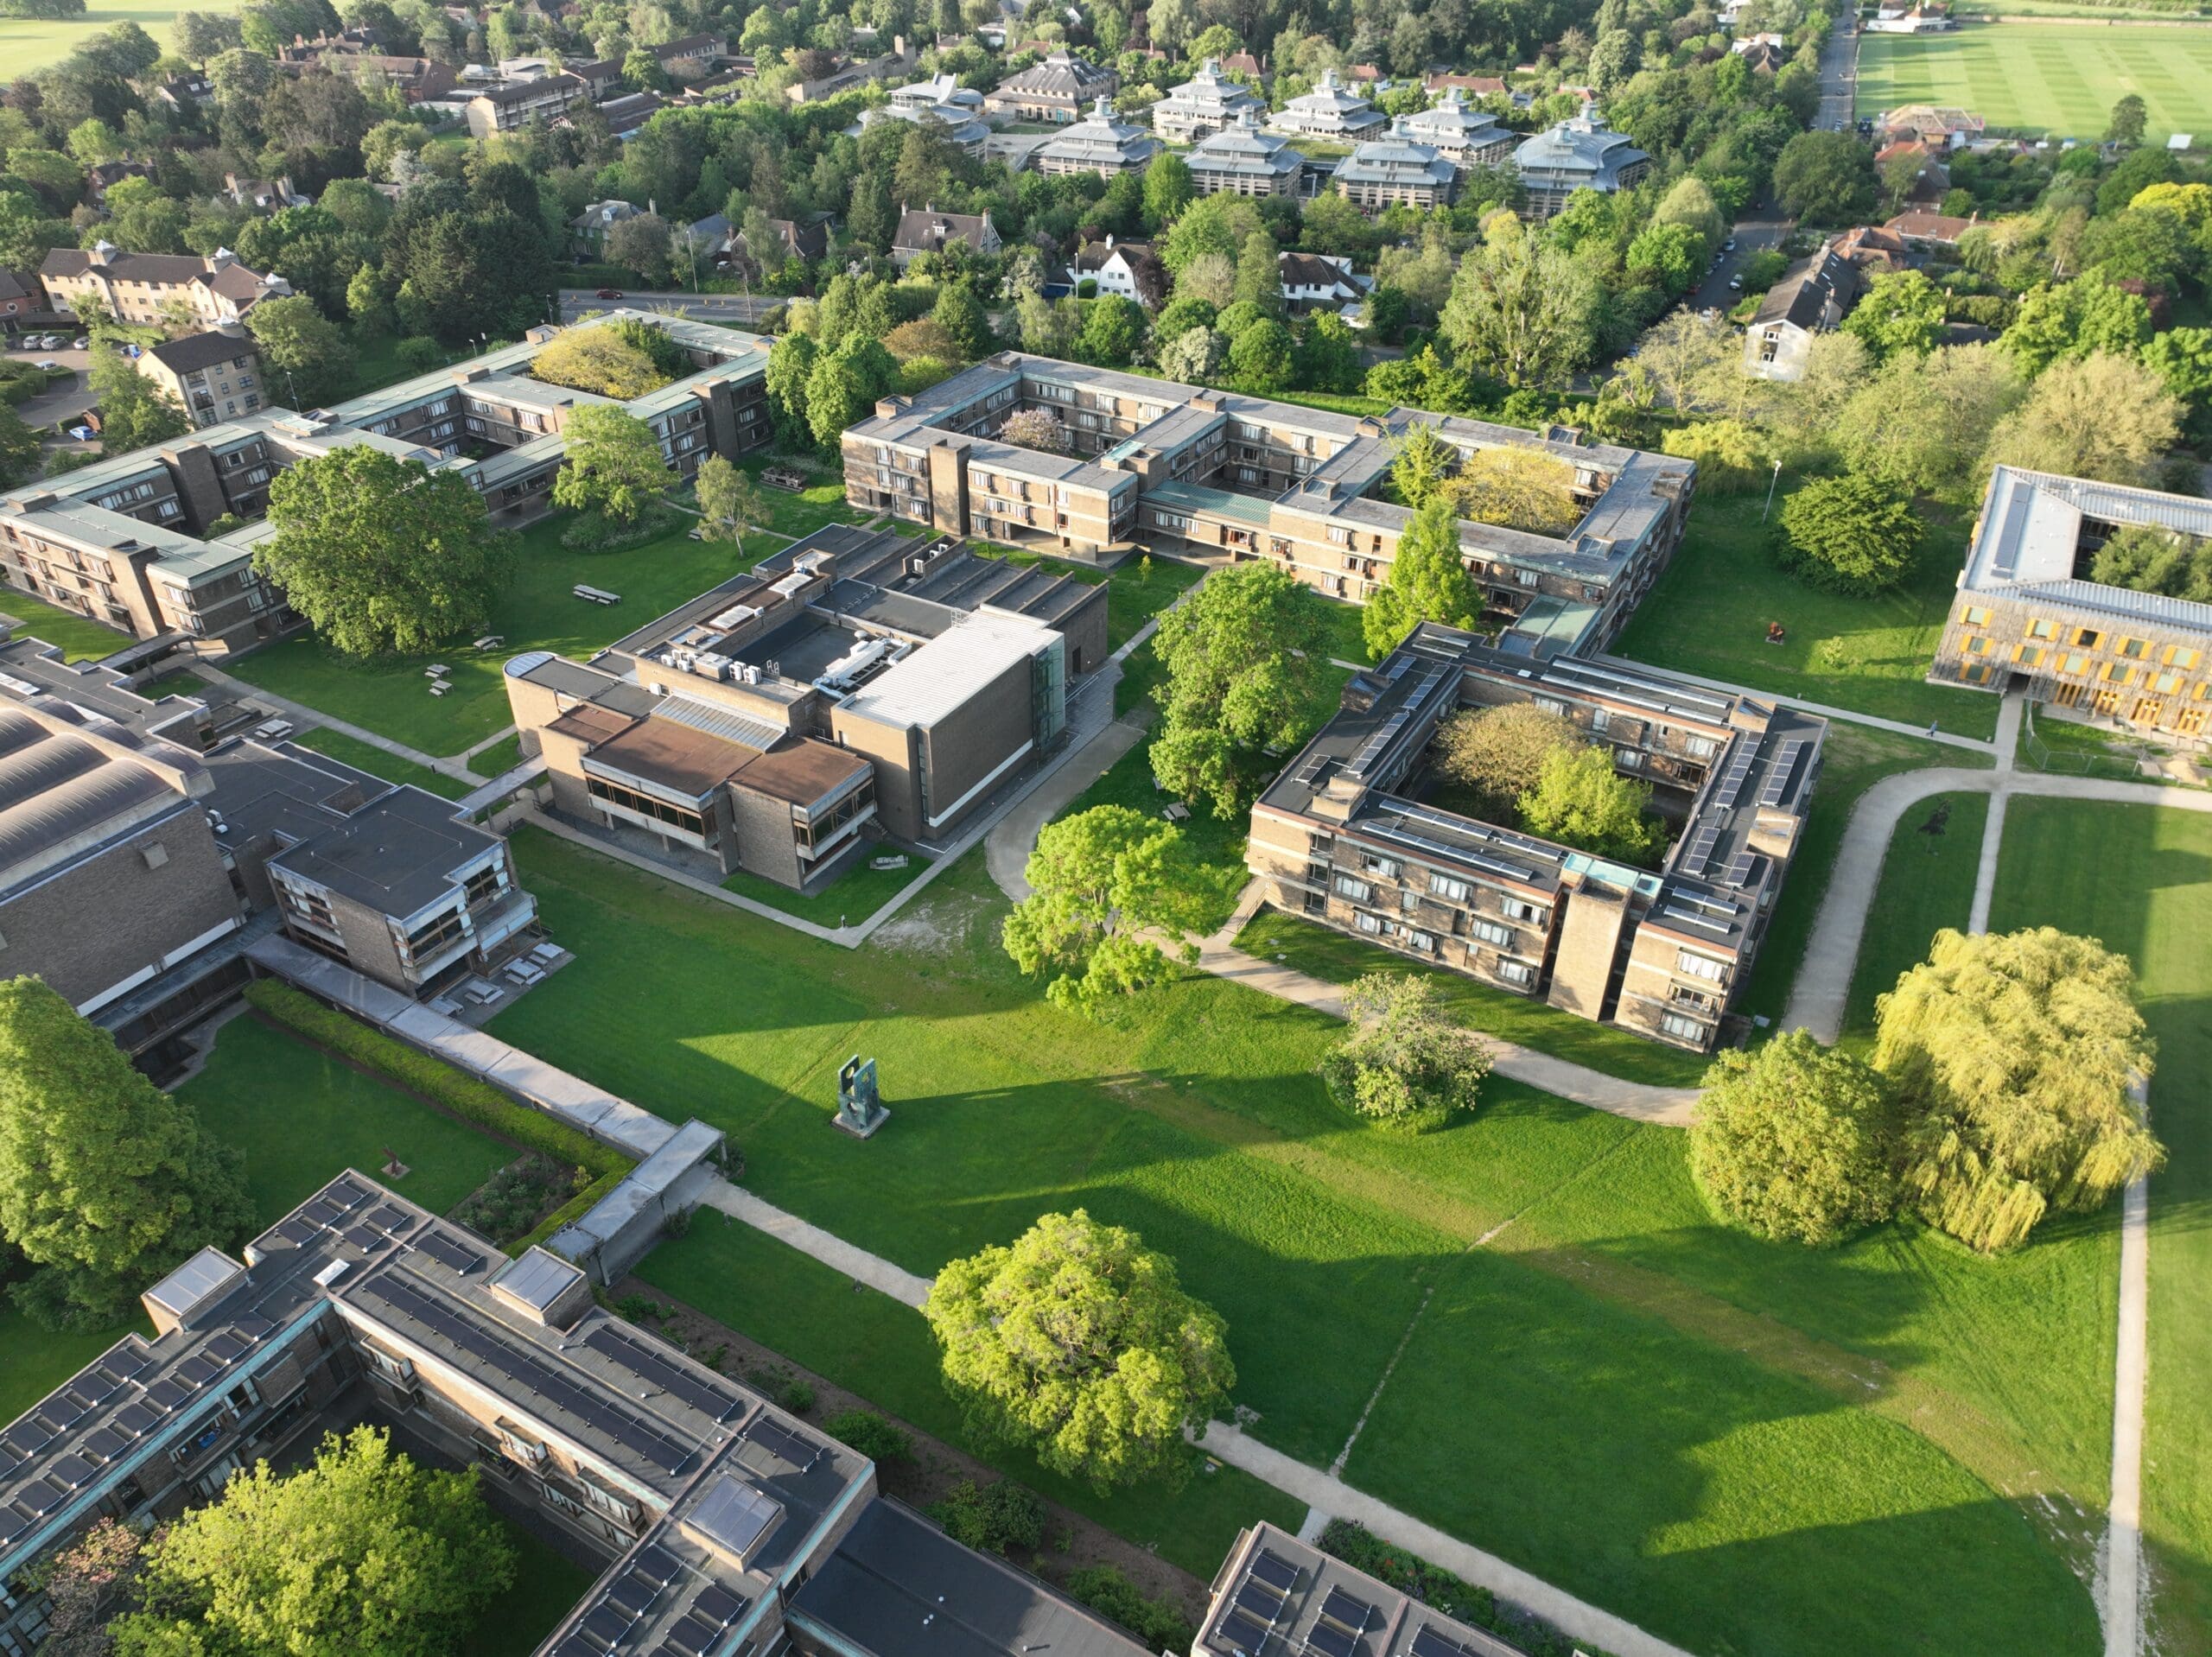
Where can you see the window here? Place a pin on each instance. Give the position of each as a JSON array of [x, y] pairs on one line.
[[1682, 1026], [2166, 683], [2087, 638], [1358, 891], [2028, 656], [1449, 888], [1600, 718], [1976, 673], [1702, 747], [2044, 630], [1975, 616], [1515, 972], [1520, 910], [2134, 648], [1697, 966], [1369, 923], [2177, 657], [2118, 673], [1491, 932], [1979, 645], [1385, 867], [1629, 758], [646, 806], [2073, 662]]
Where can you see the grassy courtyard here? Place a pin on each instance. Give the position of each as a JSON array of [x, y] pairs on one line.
[[1928, 882], [1701, 1432], [80, 638], [851, 898], [2140, 877], [364, 756], [2046, 78], [1709, 612]]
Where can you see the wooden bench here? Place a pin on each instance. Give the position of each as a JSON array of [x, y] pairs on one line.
[[595, 594]]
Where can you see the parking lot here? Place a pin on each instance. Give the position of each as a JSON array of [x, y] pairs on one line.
[[64, 400]]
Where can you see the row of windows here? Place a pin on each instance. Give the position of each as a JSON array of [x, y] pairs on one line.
[[2044, 630], [646, 806]]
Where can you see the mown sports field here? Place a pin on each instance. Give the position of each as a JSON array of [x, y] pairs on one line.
[[2055, 78], [32, 44]]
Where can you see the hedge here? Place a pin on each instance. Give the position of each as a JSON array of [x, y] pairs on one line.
[[468, 1097], [1432, 1585]]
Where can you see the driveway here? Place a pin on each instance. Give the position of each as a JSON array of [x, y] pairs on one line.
[[743, 309], [66, 399], [1762, 231]]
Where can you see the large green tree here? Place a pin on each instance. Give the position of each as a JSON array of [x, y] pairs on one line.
[[1521, 310], [1428, 582], [362, 1554], [1106, 887], [1498, 753], [381, 553], [1079, 1344], [1795, 1142], [305, 348], [1405, 1063], [729, 504], [1848, 534], [1826, 178], [1243, 653], [2103, 417], [105, 1181], [132, 412], [1579, 800], [2012, 1055], [612, 464], [1900, 314]]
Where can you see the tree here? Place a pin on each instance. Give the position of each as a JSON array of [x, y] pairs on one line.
[[1424, 461], [1113, 329], [361, 1552], [1519, 488], [613, 464], [1078, 1343], [640, 244], [1581, 801], [1242, 654], [84, 1582], [1167, 189], [1848, 534], [599, 360], [1405, 1063], [1326, 357], [1901, 313], [2130, 115], [2103, 417], [1428, 582], [2012, 1055], [2075, 319], [1522, 311], [132, 413], [1731, 456], [1209, 276], [1689, 202], [1795, 1142], [1264, 357], [105, 1181], [1669, 257], [729, 505], [1498, 753], [1826, 178], [1036, 428], [19, 450], [301, 343], [1194, 357], [1259, 273], [1102, 881], [960, 314], [791, 361], [1917, 424], [383, 554], [2182, 359]]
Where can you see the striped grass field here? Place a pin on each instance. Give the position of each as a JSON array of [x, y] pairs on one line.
[[2053, 78]]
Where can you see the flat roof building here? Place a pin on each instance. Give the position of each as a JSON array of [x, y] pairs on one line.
[[2028, 617]]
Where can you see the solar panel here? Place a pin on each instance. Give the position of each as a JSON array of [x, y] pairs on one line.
[[123, 1363], [1777, 780], [168, 1394], [448, 1253], [321, 1211], [226, 1348], [106, 1443], [717, 1602], [1739, 766], [1244, 1631], [1428, 1642], [717, 1403], [1330, 1643], [1263, 1602], [136, 1418], [1741, 871], [782, 1443], [1347, 1611], [633, 1594], [1274, 1570], [1700, 849], [606, 1625], [198, 1370], [656, 1562]]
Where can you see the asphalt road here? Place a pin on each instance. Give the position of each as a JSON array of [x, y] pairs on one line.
[[708, 307], [1762, 230], [1839, 75]]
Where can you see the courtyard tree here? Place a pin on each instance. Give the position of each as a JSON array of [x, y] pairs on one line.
[[2104, 417], [85, 1583], [2012, 1056], [363, 1551], [1579, 800], [1424, 461], [1847, 534], [1519, 488], [1036, 428], [1405, 1063], [381, 553], [133, 414], [1795, 1142], [299, 342], [1106, 886], [1245, 655], [729, 505], [1498, 753], [612, 465], [1078, 1343], [791, 360], [1428, 582], [599, 360], [105, 1181]]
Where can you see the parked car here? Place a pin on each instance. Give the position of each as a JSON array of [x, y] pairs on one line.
[[1728, 246], [609, 293], [84, 342], [50, 365], [1735, 284]]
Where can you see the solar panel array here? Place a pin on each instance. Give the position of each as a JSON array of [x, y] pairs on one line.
[[1785, 763], [1740, 768], [1699, 852], [517, 1363], [1259, 1604], [795, 1449], [1343, 1618], [717, 1403], [652, 1581], [1429, 1642]]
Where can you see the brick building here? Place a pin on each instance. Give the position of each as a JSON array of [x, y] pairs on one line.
[[144, 286]]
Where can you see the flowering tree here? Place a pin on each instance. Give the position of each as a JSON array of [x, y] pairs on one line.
[[1037, 429]]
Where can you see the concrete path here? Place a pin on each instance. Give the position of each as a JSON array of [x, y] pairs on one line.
[[308, 718], [2122, 1577], [1317, 1489], [1850, 716], [1008, 849], [858, 1264]]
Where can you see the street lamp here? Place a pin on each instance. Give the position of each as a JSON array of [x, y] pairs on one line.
[[1770, 483]]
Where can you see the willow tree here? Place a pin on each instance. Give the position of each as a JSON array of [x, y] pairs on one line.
[[2012, 1056]]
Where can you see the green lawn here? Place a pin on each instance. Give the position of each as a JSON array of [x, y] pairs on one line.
[[499, 759], [1709, 615], [821, 502], [1852, 760], [31, 44], [390, 695], [2053, 78], [1724, 1429], [547, 1586], [1927, 885], [302, 1117], [2140, 877], [851, 898], [883, 1351], [1331, 954], [81, 639], [364, 756], [33, 1360]]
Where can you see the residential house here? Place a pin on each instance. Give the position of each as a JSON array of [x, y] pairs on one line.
[[1811, 300], [1872, 247], [1922, 230], [1328, 112], [926, 230], [141, 287], [1396, 171], [1764, 57], [1315, 281], [1105, 144], [1245, 159], [213, 376], [1128, 270], [1253, 70], [1931, 177], [416, 80], [103, 176], [506, 108], [23, 304], [185, 91], [1470, 86], [1056, 91], [2029, 618], [588, 230], [1581, 153], [1942, 126], [1209, 102], [263, 194], [1462, 134], [693, 56], [810, 241]]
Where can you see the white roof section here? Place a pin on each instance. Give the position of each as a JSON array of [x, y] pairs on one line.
[[206, 1276], [2030, 529], [948, 672]]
